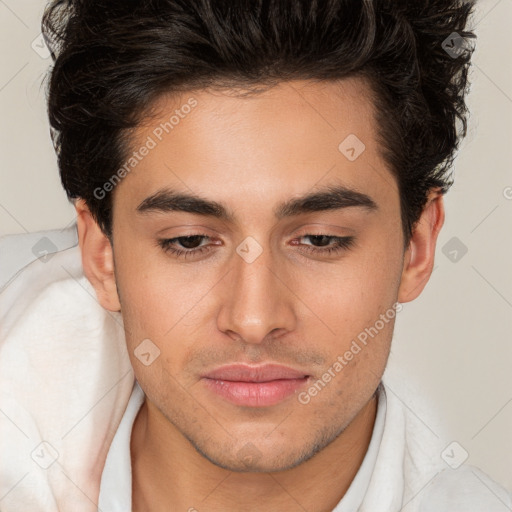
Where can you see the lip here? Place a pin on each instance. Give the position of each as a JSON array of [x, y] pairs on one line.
[[255, 386], [260, 373]]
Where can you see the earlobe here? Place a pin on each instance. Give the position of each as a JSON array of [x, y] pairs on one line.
[[419, 257], [97, 257]]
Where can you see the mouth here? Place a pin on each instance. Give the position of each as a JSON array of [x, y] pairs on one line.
[[255, 386]]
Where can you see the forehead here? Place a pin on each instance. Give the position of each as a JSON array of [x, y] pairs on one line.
[[230, 146]]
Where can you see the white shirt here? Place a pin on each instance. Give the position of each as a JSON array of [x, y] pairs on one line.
[[116, 480]]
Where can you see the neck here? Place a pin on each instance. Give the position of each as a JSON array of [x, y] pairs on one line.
[[169, 474]]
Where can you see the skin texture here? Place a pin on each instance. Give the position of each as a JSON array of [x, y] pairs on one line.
[[190, 447]]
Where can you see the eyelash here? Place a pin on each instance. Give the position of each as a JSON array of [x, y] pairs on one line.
[[341, 243]]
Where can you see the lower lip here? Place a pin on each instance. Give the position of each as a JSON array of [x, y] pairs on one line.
[[255, 394]]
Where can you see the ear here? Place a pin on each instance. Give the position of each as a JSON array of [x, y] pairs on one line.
[[419, 257], [97, 257]]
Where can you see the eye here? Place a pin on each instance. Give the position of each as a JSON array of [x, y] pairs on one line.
[[186, 246], [190, 245], [327, 244]]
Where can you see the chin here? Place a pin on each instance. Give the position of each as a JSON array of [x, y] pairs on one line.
[[250, 459]]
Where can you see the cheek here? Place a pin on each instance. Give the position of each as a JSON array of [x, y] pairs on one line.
[[352, 294], [154, 309], [162, 300], [355, 300]]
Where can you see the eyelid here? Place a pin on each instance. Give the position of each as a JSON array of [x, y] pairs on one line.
[[341, 244], [188, 228], [324, 229]]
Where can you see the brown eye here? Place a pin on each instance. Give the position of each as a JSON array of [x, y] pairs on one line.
[[188, 245], [327, 244]]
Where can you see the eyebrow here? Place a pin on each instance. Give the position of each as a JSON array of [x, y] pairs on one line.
[[329, 198]]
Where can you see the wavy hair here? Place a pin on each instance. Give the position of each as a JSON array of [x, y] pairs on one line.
[[114, 58]]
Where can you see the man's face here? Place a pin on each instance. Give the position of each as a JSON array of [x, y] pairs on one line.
[[264, 289]]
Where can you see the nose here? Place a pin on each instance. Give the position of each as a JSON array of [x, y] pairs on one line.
[[257, 300]]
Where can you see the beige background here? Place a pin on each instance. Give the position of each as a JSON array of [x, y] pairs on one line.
[[453, 345]]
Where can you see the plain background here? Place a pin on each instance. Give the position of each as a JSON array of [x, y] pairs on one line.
[[453, 344]]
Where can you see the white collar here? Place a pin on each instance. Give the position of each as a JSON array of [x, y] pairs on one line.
[[116, 479]]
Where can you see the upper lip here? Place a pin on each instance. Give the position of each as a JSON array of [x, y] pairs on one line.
[[261, 373]]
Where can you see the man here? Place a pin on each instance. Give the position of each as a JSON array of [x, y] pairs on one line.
[[259, 187]]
